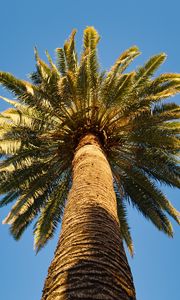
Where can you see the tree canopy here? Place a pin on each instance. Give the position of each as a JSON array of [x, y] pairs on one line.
[[64, 100]]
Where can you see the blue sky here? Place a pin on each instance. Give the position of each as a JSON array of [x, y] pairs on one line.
[[154, 27]]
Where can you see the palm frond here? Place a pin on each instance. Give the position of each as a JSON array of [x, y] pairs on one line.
[[149, 68], [124, 60], [52, 65], [150, 188], [51, 214], [30, 211], [9, 146], [11, 196], [61, 61], [70, 53], [90, 39], [16, 86], [160, 165], [147, 206], [122, 215]]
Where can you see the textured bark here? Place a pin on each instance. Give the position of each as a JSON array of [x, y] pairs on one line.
[[90, 261]]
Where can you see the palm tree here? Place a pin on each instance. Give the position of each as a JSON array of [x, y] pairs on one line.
[[83, 144]]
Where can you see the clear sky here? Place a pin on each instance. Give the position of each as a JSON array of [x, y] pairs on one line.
[[154, 26]]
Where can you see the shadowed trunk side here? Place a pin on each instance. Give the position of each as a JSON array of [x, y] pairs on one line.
[[90, 261]]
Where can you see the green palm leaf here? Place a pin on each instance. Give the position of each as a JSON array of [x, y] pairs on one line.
[[51, 213]]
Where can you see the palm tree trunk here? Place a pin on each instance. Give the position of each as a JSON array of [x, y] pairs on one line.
[[90, 261]]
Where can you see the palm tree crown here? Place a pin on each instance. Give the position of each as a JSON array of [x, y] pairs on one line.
[[39, 134]]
